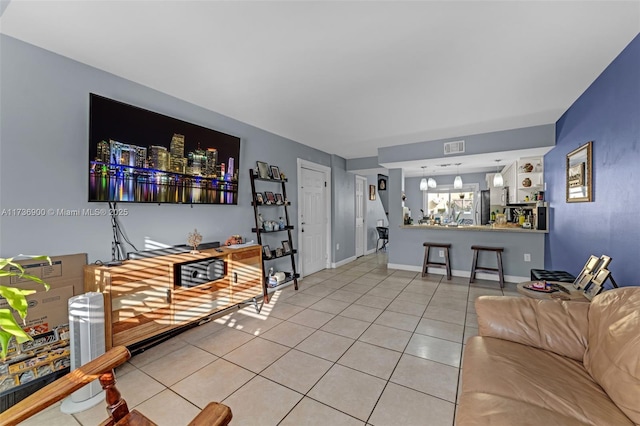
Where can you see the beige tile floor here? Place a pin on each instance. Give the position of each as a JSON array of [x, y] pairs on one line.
[[356, 345]]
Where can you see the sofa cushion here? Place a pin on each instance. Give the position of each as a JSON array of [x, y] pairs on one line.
[[554, 325], [499, 378], [613, 355]]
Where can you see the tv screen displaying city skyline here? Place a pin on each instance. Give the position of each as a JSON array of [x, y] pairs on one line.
[[141, 156]]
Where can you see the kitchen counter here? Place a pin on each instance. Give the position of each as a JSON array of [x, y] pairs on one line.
[[523, 248], [481, 228]]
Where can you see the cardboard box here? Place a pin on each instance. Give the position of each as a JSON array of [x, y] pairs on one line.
[[47, 310], [64, 271], [48, 324]]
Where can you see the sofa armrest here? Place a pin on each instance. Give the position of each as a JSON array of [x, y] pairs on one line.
[[553, 325]]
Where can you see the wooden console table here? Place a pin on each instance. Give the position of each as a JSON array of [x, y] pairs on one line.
[[142, 299]]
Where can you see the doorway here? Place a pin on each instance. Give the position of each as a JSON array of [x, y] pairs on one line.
[[361, 235], [314, 218]]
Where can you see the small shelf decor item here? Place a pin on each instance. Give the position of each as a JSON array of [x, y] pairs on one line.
[[266, 252], [259, 198], [271, 198], [579, 174], [279, 199], [286, 247], [263, 170], [275, 173], [194, 239]]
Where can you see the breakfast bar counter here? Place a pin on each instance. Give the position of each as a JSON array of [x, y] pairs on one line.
[[523, 248], [478, 228]]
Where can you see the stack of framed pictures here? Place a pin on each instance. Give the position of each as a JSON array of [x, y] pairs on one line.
[[266, 171]]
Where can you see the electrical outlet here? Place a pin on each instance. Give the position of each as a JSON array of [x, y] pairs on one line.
[[527, 257], [441, 253], [337, 246]]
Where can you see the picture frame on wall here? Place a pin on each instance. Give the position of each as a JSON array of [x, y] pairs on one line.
[[382, 183], [263, 170], [579, 174], [372, 192]]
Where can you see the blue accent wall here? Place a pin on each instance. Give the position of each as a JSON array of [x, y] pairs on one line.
[[607, 113]]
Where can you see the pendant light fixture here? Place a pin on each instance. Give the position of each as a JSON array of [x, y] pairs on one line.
[[498, 180], [423, 182], [432, 183], [457, 182]]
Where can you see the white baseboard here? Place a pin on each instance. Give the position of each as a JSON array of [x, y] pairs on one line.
[[373, 250], [458, 273], [343, 262]]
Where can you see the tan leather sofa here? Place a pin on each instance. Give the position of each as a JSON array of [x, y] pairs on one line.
[[548, 362]]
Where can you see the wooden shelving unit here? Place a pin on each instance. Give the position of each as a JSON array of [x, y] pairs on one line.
[[273, 208]]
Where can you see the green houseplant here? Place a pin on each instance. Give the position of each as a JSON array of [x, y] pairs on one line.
[[17, 301]]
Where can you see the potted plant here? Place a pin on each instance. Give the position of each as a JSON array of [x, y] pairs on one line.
[[17, 301]]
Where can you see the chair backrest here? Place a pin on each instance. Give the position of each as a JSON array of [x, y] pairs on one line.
[[584, 278], [383, 232]]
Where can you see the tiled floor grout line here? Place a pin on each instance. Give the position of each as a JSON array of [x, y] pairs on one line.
[[376, 275], [403, 353]]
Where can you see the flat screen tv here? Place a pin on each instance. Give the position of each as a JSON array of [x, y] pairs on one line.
[[140, 156]]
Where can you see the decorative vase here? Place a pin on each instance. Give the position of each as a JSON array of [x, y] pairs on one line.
[[526, 182]]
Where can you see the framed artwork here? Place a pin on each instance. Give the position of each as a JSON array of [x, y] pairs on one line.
[[279, 199], [279, 252], [266, 252], [286, 247], [271, 199], [263, 170], [579, 174], [275, 172], [382, 183], [259, 198], [372, 192]]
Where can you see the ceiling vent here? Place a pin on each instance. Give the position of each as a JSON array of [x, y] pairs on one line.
[[456, 147]]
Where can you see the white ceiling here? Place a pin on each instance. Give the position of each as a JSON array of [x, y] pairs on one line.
[[347, 77]]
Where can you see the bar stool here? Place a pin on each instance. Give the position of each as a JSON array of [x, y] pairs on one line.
[[446, 264], [475, 267]]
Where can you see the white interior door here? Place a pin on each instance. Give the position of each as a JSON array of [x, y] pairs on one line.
[[313, 221], [360, 234]]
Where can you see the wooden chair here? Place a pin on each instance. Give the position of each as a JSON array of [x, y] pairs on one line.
[[383, 235], [102, 368]]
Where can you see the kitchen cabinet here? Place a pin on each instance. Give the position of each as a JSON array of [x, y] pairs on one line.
[[509, 177], [496, 192]]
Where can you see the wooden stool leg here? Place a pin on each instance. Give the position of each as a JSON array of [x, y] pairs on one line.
[[500, 272], [473, 266], [426, 260], [448, 264]]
